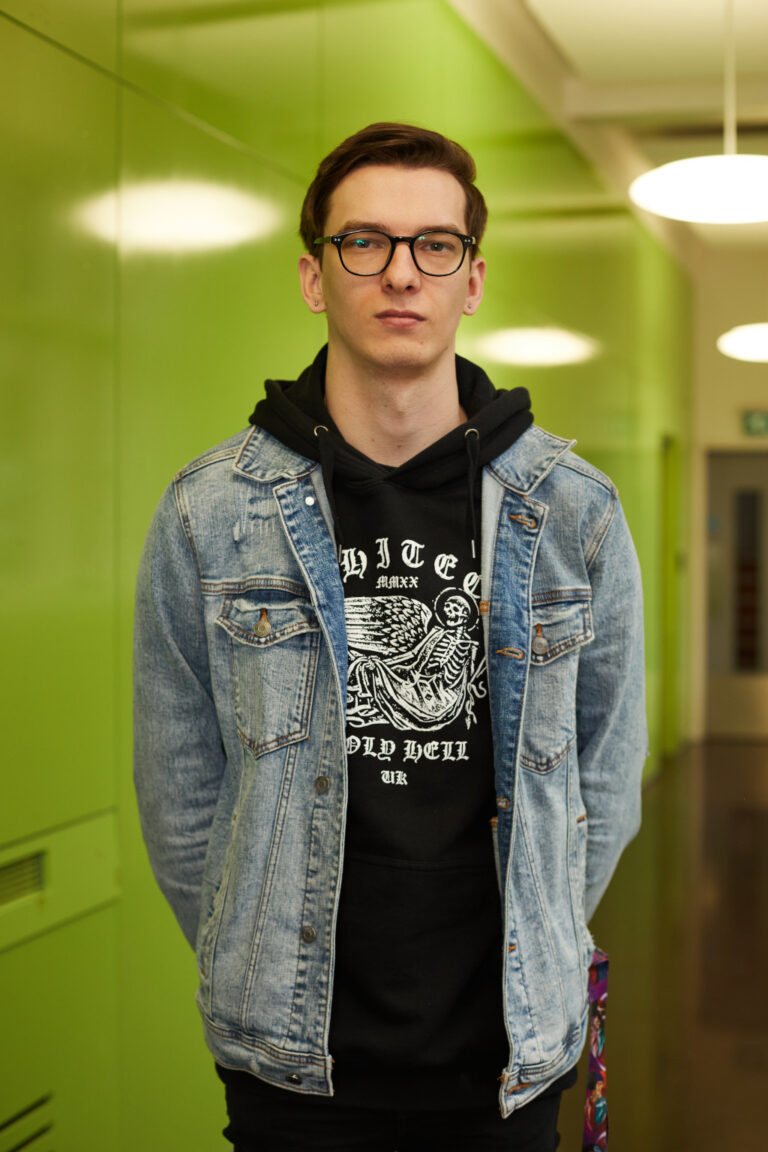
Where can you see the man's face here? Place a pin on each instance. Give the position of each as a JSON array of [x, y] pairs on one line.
[[400, 321]]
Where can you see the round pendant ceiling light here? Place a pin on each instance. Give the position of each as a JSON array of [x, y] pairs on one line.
[[726, 188], [745, 342], [722, 189]]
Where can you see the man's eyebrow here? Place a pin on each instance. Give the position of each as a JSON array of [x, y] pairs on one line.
[[373, 226]]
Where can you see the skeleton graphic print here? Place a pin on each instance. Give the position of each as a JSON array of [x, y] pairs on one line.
[[412, 666], [417, 696]]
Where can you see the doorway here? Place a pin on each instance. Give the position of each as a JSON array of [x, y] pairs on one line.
[[737, 595]]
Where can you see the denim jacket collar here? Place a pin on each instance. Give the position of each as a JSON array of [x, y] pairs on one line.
[[533, 457], [264, 458]]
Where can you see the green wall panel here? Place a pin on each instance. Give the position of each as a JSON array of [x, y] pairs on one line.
[[383, 60], [578, 273], [55, 877], [88, 27], [58, 1036], [248, 70], [57, 300]]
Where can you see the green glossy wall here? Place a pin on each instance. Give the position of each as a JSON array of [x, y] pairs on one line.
[[119, 364]]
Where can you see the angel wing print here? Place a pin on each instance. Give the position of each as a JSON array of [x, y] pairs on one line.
[[409, 666]]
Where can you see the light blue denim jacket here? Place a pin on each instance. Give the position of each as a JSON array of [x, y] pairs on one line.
[[240, 759]]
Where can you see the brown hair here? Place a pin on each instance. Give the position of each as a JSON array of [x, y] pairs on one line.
[[392, 144]]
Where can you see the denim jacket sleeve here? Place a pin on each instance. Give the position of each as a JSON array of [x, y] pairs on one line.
[[611, 724], [178, 754]]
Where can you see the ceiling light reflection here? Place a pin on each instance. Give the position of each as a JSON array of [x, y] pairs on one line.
[[537, 347], [745, 342], [178, 216]]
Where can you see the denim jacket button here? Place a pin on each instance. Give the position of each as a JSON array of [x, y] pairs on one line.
[[322, 784], [308, 934], [293, 1078], [540, 645], [262, 627]]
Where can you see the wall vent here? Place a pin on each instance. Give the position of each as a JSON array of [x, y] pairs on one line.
[[30, 1128], [21, 878]]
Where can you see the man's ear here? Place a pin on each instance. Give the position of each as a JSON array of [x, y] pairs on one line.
[[475, 286], [311, 280]]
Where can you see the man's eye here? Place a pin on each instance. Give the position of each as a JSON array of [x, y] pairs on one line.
[[440, 245], [365, 243]]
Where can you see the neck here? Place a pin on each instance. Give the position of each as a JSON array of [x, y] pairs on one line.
[[391, 416]]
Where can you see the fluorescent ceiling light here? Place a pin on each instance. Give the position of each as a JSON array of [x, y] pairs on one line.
[[537, 347], [178, 216], [721, 189], [746, 342]]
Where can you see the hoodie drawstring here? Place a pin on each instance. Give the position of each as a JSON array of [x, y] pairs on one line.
[[472, 442], [325, 445]]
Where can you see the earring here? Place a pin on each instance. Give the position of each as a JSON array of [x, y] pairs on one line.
[[317, 303]]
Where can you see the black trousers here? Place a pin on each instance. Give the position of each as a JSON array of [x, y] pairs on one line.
[[288, 1122]]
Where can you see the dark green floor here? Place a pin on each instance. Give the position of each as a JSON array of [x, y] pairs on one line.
[[685, 922]]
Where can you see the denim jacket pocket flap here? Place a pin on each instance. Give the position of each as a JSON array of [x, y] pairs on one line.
[[262, 617], [558, 627]]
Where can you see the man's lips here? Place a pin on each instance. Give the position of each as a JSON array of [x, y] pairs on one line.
[[396, 318]]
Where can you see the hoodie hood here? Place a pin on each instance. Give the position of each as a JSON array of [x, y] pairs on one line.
[[292, 411]]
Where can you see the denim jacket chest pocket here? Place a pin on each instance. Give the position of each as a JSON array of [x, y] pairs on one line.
[[274, 641], [560, 628]]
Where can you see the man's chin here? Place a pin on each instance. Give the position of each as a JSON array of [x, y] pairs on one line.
[[404, 358]]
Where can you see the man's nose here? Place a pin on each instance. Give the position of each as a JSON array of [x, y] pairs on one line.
[[401, 271]]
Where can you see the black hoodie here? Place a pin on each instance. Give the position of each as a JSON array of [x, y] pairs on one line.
[[417, 1018], [294, 412]]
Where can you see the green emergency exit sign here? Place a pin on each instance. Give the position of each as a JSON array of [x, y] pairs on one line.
[[755, 423]]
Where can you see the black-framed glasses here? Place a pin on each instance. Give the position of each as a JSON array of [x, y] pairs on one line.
[[366, 252]]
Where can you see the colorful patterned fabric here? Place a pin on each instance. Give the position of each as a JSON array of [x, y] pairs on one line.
[[596, 1107]]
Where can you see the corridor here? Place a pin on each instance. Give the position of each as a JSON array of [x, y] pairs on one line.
[[686, 925], [158, 154]]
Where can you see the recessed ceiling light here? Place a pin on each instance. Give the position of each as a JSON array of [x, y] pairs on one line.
[[537, 347], [178, 216]]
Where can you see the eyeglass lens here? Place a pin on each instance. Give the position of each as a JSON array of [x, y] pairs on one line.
[[436, 253]]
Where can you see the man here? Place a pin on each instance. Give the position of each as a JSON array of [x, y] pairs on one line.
[[389, 703]]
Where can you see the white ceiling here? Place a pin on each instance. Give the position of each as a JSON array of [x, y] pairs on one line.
[[640, 41], [656, 69]]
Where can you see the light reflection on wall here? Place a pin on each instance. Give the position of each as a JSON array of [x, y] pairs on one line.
[[537, 347], [178, 216]]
